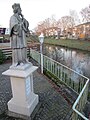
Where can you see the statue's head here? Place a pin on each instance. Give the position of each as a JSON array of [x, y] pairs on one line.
[[16, 8]]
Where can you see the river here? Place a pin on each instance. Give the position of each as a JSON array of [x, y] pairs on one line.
[[75, 59]]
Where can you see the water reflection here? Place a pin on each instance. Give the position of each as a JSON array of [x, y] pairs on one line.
[[75, 59]]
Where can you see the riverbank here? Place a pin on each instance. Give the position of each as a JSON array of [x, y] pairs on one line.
[[75, 44]]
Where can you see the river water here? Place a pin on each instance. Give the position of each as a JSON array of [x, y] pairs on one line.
[[75, 59]]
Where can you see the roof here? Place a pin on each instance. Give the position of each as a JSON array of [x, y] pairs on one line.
[[83, 24]]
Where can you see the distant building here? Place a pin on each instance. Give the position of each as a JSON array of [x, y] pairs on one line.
[[2, 31], [4, 35], [7, 31], [83, 30]]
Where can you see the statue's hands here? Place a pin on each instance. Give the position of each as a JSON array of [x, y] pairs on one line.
[[22, 16], [24, 20], [28, 34]]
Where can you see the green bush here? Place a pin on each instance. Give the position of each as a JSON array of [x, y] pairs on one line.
[[2, 57]]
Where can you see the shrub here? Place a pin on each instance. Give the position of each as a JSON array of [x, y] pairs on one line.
[[2, 57]]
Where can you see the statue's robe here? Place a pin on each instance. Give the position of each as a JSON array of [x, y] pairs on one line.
[[17, 33], [18, 39]]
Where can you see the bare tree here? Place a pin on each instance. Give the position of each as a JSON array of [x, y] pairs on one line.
[[53, 22], [67, 22], [75, 17], [85, 13], [46, 26], [39, 28]]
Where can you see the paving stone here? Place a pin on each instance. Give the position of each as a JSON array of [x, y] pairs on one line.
[[53, 105]]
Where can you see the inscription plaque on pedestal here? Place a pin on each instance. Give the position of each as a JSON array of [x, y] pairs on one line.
[[27, 86]]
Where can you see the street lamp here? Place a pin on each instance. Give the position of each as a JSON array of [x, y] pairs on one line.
[[41, 39]]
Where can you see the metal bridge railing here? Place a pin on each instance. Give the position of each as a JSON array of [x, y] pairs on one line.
[[77, 82]]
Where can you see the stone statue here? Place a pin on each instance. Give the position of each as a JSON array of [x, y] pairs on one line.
[[18, 33]]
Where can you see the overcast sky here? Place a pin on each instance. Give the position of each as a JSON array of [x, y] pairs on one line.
[[38, 10]]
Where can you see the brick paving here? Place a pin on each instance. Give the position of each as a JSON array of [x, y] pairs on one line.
[[53, 105]]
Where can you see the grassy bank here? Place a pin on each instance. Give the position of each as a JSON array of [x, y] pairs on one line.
[[76, 44]]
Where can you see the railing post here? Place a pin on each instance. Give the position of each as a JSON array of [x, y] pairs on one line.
[[41, 58], [41, 63], [29, 55], [41, 39]]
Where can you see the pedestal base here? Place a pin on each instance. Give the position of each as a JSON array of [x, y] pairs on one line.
[[24, 99], [26, 108]]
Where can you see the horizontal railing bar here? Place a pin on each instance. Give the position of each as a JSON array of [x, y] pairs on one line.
[[67, 68], [81, 93], [81, 114], [76, 102]]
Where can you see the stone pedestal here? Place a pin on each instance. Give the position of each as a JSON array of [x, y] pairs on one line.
[[24, 99]]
